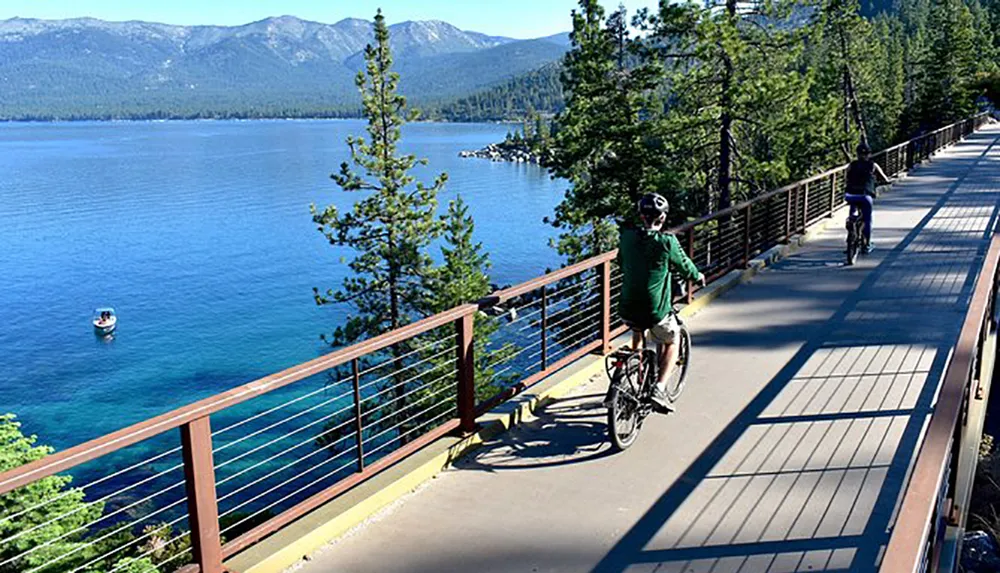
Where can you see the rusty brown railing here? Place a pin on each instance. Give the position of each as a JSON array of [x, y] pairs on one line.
[[937, 496], [215, 477]]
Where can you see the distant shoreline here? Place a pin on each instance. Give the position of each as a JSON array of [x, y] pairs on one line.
[[210, 119]]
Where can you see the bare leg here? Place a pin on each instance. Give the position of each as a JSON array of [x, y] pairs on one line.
[[636, 340], [668, 360]]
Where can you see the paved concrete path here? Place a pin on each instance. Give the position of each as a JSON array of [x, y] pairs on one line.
[[808, 394]]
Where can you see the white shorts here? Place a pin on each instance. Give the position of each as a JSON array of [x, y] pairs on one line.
[[666, 331]]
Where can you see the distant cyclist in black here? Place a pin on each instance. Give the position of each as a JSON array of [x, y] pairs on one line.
[[861, 181]]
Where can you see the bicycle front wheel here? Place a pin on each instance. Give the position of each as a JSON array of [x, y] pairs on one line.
[[675, 383]]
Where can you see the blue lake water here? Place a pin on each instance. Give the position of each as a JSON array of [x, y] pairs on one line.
[[199, 234]]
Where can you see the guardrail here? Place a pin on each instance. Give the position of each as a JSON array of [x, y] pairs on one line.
[[936, 499], [245, 463]]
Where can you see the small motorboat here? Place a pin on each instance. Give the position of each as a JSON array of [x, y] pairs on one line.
[[105, 321]]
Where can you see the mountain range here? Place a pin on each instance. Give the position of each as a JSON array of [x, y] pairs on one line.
[[282, 66]]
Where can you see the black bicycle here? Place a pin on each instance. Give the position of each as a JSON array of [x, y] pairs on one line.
[[856, 241], [633, 375]]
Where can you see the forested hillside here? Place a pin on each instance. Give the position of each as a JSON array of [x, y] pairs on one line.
[[278, 67], [720, 101], [513, 100]]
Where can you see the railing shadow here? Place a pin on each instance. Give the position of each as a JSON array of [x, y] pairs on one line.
[[570, 430]]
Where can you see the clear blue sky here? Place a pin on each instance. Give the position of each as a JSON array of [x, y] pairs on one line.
[[515, 18]]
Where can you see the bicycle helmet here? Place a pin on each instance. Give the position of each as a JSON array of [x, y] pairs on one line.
[[863, 149], [652, 206]]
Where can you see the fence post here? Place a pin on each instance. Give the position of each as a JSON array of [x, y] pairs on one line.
[[358, 426], [203, 508], [833, 193], [605, 307], [805, 208], [746, 236], [545, 327], [466, 372], [788, 215]]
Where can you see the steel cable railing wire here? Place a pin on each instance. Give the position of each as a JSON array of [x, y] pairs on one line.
[[581, 308], [310, 440], [565, 341], [274, 425], [436, 419], [92, 542], [396, 385], [400, 425], [87, 526], [557, 326], [298, 491], [320, 479], [146, 462], [411, 366], [277, 487], [394, 359], [270, 411], [593, 320], [438, 380], [313, 408], [324, 450], [154, 531], [90, 504], [285, 436]]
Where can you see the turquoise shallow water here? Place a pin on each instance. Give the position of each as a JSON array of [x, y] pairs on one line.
[[199, 234]]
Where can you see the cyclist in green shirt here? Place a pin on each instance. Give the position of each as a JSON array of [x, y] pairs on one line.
[[647, 255]]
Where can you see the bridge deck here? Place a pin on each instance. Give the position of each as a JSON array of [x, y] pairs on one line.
[[808, 395]]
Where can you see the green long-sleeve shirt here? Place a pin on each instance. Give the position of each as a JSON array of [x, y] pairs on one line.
[[646, 259]]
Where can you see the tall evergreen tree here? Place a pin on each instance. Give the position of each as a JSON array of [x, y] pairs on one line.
[[736, 97], [463, 278], [393, 222], [946, 92], [604, 146], [391, 225]]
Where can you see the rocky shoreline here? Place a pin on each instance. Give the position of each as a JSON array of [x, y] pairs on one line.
[[516, 153]]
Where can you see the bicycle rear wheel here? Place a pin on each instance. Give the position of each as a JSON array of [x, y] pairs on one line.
[[853, 245], [675, 383], [623, 410]]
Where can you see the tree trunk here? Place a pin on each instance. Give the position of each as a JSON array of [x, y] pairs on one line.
[[726, 125]]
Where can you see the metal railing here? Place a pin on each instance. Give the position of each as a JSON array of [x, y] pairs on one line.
[[199, 484], [937, 496]]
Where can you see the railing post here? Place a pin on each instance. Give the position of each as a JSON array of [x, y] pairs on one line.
[[466, 372], [690, 254], [746, 236], [805, 208], [788, 215], [605, 307], [833, 193], [545, 327], [203, 508], [358, 425]]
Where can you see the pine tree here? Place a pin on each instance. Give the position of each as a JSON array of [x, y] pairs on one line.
[[736, 96], [603, 144], [391, 225], [393, 222], [946, 92], [463, 278]]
